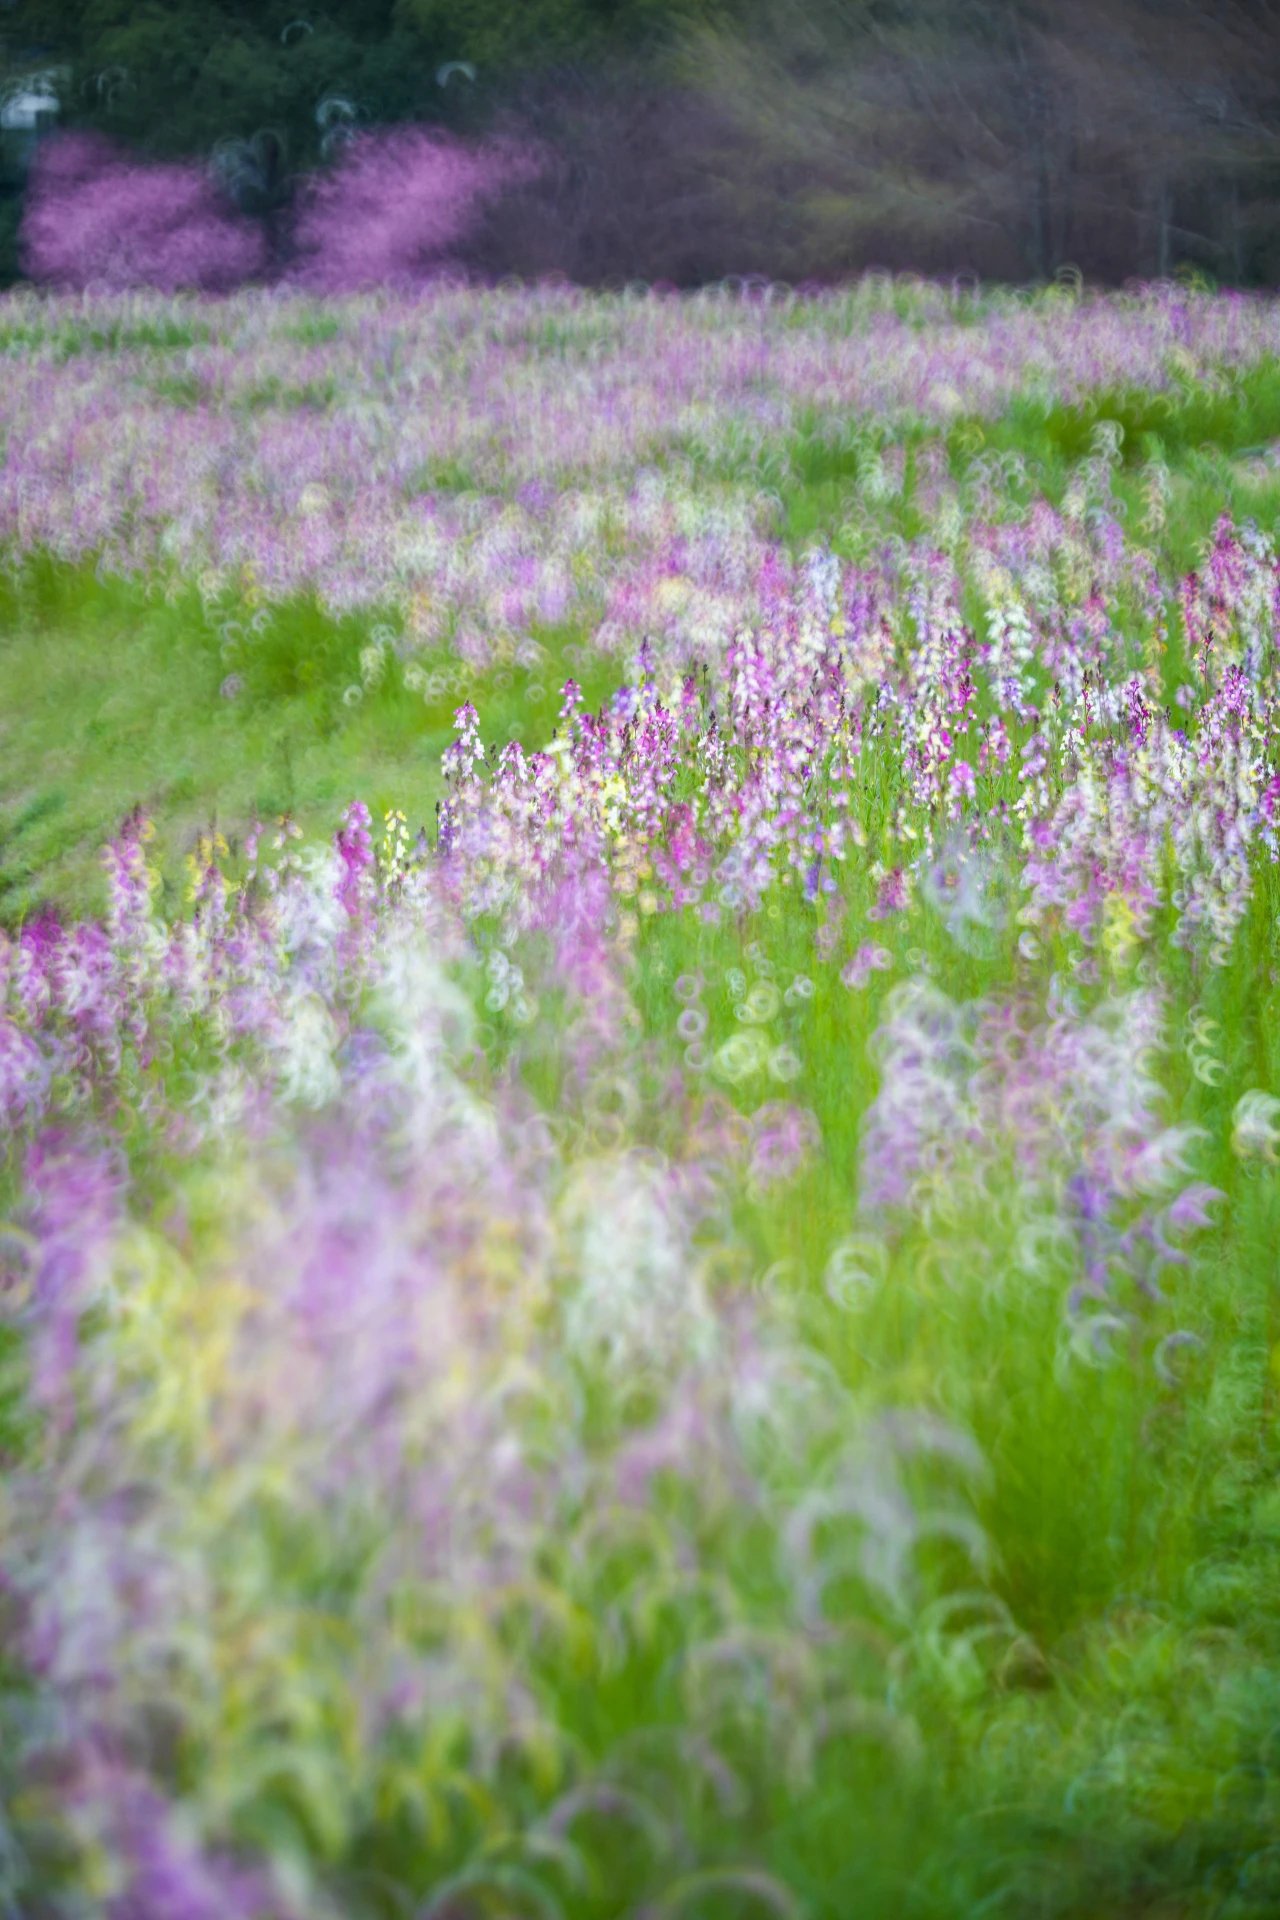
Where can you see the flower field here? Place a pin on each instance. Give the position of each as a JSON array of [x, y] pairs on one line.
[[640, 1106]]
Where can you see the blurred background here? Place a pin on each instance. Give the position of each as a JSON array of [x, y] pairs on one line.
[[683, 141]]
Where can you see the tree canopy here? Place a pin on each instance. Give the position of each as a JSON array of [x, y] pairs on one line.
[[698, 137], [174, 77]]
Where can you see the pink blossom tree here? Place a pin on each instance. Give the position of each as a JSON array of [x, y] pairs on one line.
[[96, 218], [395, 205]]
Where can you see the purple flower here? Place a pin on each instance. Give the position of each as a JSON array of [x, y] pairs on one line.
[[867, 960], [95, 218]]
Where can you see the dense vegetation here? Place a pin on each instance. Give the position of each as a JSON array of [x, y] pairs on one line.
[[640, 1198], [698, 138]]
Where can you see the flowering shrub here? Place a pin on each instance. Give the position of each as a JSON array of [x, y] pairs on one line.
[[95, 219], [394, 206], [386, 215]]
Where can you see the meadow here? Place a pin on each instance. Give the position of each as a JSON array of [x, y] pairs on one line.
[[640, 1105]]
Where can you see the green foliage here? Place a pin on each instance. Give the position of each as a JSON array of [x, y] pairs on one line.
[[173, 77], [103, 677], [1237, 415]]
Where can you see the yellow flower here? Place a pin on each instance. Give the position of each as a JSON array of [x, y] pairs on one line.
[[1119, 929]]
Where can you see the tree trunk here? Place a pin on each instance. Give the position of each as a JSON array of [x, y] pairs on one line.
[[1162, 214], [1235, 231]]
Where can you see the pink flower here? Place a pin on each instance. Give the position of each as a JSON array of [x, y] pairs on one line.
[[97, 218], [893, 896], [867, 960], [963, 783], [394, 206]]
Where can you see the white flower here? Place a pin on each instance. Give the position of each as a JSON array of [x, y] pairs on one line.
[[1254, 1133]]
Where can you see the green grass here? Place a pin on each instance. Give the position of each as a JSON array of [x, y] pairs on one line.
[[117, 697], [1210, 439], [1121, 1758]]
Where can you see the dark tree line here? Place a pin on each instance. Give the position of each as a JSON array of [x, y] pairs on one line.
[[689, 139], [1016, 137]]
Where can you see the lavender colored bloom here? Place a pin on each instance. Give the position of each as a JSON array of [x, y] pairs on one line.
[[393, 207], [96, 219]]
